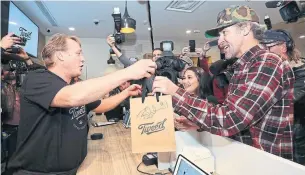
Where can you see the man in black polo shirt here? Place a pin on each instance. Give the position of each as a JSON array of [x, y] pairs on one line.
[[52, 136]]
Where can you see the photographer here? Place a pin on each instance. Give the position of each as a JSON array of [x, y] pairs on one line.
[[157, 53], [53, 122], [259, 104], [281, 43]]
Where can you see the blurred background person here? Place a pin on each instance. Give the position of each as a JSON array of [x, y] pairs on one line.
[[281, 43]]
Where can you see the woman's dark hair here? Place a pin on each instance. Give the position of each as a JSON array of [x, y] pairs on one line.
[[205, 82]]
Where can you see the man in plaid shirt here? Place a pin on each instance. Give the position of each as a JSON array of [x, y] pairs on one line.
[[258, 110]]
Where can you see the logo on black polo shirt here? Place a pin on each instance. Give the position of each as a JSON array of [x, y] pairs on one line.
[[79, 117]]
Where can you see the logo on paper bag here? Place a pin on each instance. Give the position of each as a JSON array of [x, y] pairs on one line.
[[149, 128]]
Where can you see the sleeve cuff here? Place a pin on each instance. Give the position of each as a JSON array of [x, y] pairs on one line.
[[179, 98]]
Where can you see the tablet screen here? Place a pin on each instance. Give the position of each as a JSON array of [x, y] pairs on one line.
[[186, 167]]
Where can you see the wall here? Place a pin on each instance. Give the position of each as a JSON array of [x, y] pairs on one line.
[[41, 43], [96, 53]]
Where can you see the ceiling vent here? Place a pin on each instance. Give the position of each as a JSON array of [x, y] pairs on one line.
[[46, 13], [184, 6]]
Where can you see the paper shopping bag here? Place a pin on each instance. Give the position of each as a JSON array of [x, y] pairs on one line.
[[152, 125]]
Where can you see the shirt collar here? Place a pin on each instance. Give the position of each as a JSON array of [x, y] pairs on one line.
[[248, 56]]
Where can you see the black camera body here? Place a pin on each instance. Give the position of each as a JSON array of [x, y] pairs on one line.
[[119, 37], [169, 66], [13, 63], [20, 69], [290, 11], [23, 40]]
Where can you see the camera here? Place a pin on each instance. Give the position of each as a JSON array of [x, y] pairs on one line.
[[19, 68], [23, 40], [290, 11], [169, 65], [96, 21], [118, 36]]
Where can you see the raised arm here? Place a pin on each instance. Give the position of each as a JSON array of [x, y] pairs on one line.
[[85, 92]]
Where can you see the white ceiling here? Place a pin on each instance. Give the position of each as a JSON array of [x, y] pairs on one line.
[[166, 24]]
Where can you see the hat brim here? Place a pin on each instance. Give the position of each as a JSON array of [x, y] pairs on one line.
[[212, 33], [267, 41]]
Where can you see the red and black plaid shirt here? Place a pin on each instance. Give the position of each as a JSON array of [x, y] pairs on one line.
[[257, 109]]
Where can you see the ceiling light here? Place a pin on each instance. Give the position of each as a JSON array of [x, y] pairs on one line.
[[302, 36], [71, 28], [196, 31], [128, 23], [12, 22], [188, 31], [149, 28]]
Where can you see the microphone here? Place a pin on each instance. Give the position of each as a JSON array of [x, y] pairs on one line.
[[274, 4]]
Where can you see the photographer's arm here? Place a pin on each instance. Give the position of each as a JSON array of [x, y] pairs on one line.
[[111, 43], [116, 51]]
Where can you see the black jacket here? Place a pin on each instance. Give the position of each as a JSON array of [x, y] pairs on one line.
[[299, 93]]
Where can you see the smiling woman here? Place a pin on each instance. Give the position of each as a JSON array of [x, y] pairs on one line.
[[197, 82]]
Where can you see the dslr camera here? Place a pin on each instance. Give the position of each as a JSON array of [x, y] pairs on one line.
[[169, 65]]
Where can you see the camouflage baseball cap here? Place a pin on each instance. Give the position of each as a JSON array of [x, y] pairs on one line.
[[231, 16]]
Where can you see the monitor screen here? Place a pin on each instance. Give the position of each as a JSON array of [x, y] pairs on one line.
[[22, 26]]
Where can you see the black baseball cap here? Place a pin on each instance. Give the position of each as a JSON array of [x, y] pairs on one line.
[[273, 36]]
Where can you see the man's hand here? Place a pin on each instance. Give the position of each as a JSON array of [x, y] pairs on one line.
[[185, 50], [202, 52], [164, 85], [133, 90], [23, 54], [111, 41], [184, 124], [8, 41], [141, 69], [206, 47]]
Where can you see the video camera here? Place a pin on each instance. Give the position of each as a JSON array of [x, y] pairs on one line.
[[20, 69], [290, 11], [169, 65], [118, 36]]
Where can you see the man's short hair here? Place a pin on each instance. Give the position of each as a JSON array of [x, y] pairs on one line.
[[56, 43], [157, 49]]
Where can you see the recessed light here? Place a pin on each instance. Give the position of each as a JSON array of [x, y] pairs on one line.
[[188, 31], [302, 36], [149, 28], [12, 22], [196, 31], [71, 28]]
